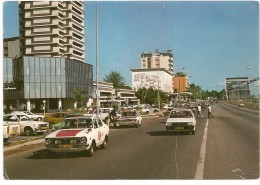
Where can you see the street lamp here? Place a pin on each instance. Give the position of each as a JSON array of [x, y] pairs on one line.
[[44, 107]]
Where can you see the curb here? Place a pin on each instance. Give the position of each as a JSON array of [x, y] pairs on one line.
[[29, 142]]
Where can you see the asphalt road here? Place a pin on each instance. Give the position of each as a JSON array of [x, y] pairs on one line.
[[226, 147]]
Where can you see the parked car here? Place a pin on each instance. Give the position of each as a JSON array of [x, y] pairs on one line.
[[130, 117], [78, 134], [54, 118], [30, 115], [241, 105], [10, 129], [181, 120], [103, 114], [28, 126]]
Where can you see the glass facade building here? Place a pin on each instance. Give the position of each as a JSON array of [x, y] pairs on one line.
[[38, 78]]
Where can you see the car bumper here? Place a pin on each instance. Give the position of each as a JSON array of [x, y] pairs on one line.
[[128, 122], [180, 128], [67, 148]]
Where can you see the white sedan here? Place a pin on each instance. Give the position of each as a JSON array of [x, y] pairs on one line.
[[78, 134], [130, 117], [32, 116], [181, 120]]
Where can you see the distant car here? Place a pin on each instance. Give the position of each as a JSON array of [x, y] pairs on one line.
[[55, 118], [30, 115], [28, 126], [181, 120], [167, 111], [103, 114], [241, 105], [130, 117], [78, 134], [11, 130]]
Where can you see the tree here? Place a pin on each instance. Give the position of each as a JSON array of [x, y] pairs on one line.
[[150, 96], [78, 97], [115, 78]]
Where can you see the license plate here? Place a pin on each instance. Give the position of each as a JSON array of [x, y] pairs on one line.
[[179, 128], [65, 146], [43, 128]]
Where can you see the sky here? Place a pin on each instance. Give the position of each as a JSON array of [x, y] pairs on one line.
[[211, 40]]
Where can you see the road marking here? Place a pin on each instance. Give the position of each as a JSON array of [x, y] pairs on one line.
[[201, 161]]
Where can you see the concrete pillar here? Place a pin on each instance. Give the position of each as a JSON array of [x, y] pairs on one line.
[[59, 103], [28, 105]]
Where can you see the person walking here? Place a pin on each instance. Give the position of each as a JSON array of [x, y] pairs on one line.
[[199, 112], [209, 112], [112, 116]]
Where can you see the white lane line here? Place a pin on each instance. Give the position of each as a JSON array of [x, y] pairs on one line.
[[201, 161]]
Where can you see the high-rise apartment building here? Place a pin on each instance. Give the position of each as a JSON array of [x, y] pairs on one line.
[[52, 29], [157, 59]]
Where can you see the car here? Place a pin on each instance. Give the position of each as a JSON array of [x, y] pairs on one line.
[[130, 117], [30, 115], [55, 118], [28, 126], [11, 130], [181, 120], [167, 111], [103, 114], [78, 134], [241, 105]]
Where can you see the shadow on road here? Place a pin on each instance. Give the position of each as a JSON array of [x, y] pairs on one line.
[[45, 154], [165, 133]]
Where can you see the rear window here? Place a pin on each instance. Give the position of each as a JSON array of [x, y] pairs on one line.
[[129, 114], [181, 114]]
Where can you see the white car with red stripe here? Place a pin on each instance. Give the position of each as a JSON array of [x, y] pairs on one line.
[[130, 117], [78, 134]]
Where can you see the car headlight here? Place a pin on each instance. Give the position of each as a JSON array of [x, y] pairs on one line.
[[83, 140], [57, 142], [190, 124], [168, 123], [48, 141]]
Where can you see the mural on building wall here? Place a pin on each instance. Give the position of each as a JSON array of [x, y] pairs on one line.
[[146, 81]]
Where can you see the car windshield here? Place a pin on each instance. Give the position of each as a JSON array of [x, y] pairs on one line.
[[77, 123], [181, 114], [128, 114], [23, 117]]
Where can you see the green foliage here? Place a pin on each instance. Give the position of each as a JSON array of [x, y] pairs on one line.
[[150, 96], [117, 79]]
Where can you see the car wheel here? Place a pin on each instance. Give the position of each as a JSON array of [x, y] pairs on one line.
[[90, 151], [39, 119], [147, 112], [28, 131], [104, 144]]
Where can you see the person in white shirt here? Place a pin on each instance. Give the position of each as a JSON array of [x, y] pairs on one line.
[[199, 112], [209, 112]]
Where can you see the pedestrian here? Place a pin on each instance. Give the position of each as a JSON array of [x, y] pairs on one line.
[[209, 112], [199, 112], [112, 116]]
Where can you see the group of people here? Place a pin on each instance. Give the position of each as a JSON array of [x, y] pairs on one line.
[[199, 113]]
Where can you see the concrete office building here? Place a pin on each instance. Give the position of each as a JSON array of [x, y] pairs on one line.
[[52, 29]]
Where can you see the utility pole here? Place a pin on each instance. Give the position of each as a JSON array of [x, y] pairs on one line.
[[97, 91]]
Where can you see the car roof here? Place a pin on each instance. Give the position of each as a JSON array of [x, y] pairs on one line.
[[79, 117]]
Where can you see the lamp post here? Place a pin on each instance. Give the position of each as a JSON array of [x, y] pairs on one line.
[[44, 107]]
